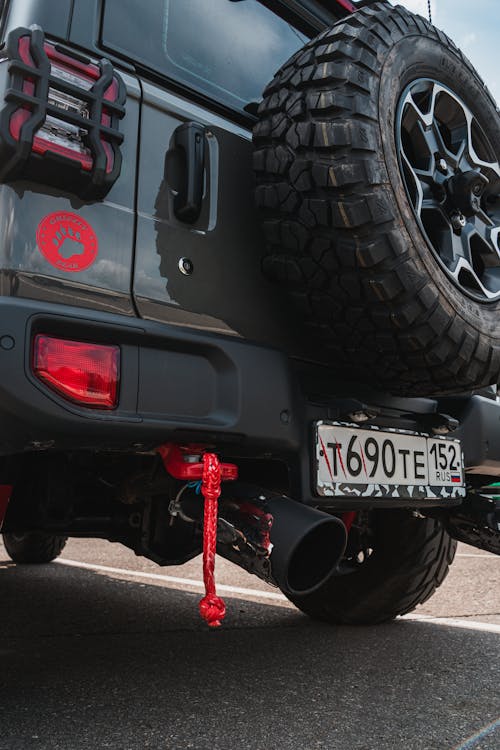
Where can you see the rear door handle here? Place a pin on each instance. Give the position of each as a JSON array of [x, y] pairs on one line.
[[190, 140]]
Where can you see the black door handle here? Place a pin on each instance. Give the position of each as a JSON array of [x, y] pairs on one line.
[[190, 140]]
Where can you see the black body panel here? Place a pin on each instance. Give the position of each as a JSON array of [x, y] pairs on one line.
[[175, 385], [181, 385], [479, 432]]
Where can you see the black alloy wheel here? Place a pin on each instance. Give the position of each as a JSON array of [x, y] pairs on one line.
[[452, 179]]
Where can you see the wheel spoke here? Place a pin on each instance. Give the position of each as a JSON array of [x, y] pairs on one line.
[[465, 241], [482, 239], [466, 277], [452, 177], [453, 249], [491, 279], [435, 142], [416, 189], [457, 158], [425, 118], [422, 180], [491, 166], [431, 204], [478, 268]]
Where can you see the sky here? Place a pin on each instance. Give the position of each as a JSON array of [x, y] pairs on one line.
[[474, 25]]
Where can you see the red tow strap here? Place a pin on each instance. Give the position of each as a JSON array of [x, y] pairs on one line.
[[348, 518], [212, 473], [212, 607]]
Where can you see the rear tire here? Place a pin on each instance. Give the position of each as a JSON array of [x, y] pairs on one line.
[[34, 546], [409, 559]]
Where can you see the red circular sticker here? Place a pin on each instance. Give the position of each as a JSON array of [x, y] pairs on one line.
[[67, 241]]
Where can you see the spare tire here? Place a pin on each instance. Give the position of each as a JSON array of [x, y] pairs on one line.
[[378, 179]]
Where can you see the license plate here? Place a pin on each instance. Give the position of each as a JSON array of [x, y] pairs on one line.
[[370, 462]]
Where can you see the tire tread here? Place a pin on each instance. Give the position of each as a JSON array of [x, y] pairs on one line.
[[35, 547], [411, 560], [317, 169]]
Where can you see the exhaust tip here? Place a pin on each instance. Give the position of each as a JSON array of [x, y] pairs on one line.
[[315, 557], [289, 544]]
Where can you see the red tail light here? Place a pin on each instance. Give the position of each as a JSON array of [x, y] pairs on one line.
[[86, 374], [57, 135]]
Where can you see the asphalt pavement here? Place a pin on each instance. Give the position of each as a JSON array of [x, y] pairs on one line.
[[105, 650]]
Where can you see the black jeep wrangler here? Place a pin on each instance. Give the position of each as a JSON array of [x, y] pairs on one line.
[[312, 318]]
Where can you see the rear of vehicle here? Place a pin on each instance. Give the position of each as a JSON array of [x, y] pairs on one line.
[[139, 332], [154, 225]]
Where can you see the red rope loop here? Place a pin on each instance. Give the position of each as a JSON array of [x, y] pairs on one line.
[[212, 607]]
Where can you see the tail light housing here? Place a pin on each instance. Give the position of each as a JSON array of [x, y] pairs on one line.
[[84, 373], [59, 120]]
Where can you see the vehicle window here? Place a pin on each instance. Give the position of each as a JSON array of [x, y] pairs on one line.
[[224, 48]]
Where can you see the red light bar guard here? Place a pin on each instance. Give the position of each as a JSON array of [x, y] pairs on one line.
[[59, 116]]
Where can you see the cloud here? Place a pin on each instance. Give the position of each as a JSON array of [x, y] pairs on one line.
[[469, 39]]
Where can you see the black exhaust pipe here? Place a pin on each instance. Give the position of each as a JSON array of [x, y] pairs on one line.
[[285, 543]]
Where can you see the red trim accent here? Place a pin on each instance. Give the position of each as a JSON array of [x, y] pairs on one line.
[[110, 157], [259, 519], [41, 146], [25, 52], [348, 518], [5, 494], [90, 70], [111, 92], [17, 120], [346, 5], [173, 460]]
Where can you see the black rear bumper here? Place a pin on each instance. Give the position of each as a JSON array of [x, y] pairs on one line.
[[182, 385], [176, 384]]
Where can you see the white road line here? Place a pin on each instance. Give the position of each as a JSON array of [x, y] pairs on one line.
[[171, 579], [485, 556], [456, 622], [472, 741], [452, 622]]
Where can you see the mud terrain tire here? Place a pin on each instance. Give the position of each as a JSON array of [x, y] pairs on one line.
[[410, 559], [34, 546], [343, 237]]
